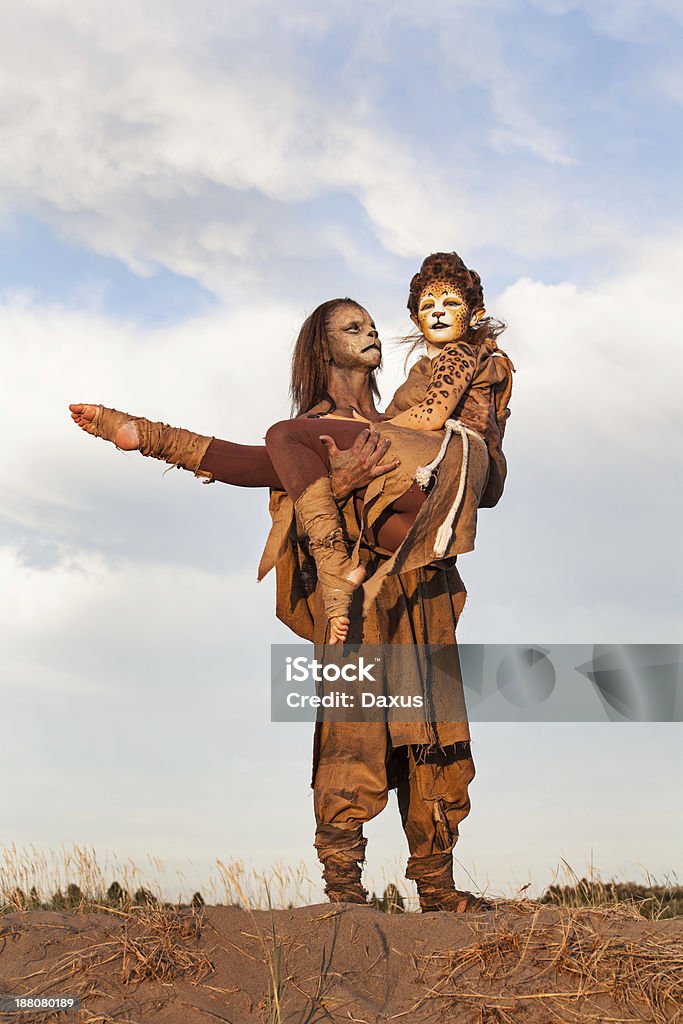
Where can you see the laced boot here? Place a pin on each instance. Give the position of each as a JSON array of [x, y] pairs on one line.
[[436, 887], [320, 521], [342, 852]]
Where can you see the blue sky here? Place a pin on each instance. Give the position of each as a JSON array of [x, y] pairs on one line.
[[179, 185]]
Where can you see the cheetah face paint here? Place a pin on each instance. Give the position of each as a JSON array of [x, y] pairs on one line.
[[443, 315], [353, 338]]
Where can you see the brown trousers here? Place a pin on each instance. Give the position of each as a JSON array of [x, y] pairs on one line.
[[356, 766]]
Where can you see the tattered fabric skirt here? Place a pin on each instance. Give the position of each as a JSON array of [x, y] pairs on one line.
[[426, 542]]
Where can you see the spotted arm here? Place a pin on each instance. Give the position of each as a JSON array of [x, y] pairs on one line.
[[452, 373]]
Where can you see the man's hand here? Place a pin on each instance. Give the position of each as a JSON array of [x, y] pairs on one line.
[[355, 467]]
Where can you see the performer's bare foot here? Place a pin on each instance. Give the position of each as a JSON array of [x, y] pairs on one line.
[[126, 436], [339, 624]]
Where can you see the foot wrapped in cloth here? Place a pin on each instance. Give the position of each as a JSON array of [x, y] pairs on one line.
[[436, 887], [319, 519], [341, 851], [182, 448]]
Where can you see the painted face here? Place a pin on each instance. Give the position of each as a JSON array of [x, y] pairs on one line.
[[443, 315], [353, 338]]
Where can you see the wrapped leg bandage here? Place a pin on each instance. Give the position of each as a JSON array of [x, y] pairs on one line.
[[179, 447]]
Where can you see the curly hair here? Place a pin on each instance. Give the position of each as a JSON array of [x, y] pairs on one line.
[[311, 360], [450, 267]]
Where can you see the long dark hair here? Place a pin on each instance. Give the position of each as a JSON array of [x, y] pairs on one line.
[[450, 267], [311, 360]]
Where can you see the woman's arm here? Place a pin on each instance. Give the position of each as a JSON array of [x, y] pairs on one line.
[[452, 373]]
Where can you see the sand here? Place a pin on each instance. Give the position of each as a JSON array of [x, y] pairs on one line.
[[524, 962]]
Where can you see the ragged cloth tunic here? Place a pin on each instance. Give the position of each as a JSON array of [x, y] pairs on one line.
[[407, 598]]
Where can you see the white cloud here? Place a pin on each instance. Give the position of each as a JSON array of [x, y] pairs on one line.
[[86, 612], [189, 375], [599, 365], [163, 139], [586, 543]]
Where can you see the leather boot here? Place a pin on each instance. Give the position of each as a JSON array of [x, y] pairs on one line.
[[433, 877], [342, 881], [342, 852]]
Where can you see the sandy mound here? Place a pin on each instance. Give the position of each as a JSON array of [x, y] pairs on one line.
[[323, 963]]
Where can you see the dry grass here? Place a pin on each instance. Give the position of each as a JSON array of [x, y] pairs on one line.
[[153, 943], [73, 879], [577, 953], [282, 887], [159, 943], [158, 939], [571, 965], [651, 901], [70, 879]]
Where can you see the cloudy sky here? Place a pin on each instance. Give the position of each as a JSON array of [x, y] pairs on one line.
[[180, 184]]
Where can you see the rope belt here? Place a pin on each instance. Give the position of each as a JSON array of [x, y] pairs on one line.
[[423, 474]]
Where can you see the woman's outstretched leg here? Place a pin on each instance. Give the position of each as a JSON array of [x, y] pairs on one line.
[[242, 465], [298, 455], [301, 467]]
